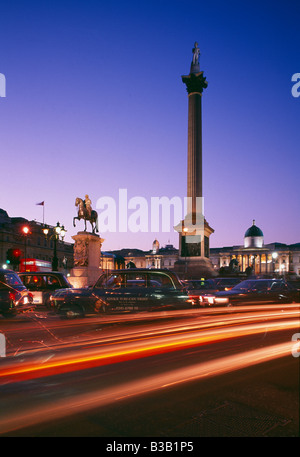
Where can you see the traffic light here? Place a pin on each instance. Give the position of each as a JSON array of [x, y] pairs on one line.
[[13, 256]]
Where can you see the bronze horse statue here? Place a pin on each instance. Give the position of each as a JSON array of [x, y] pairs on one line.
[[84, 214]]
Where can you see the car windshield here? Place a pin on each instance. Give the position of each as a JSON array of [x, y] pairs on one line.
[[134, 279], [37, 281], [157, 279], [246, 286], [11, 279]]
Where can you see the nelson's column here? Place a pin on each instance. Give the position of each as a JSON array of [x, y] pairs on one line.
[[194, 231]]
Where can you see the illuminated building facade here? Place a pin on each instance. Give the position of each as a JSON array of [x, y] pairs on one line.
[[255, 256], [12, 240]]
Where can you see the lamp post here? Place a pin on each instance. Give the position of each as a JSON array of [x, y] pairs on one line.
[[58, 231], [25, 231], [185, 230], [274, 257]]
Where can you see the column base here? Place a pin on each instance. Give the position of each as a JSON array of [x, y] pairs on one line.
[[84, 276], [194, 268]]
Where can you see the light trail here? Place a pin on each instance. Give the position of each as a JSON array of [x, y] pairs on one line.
[[59, 408], [197, 319], [138, 343], [143, 345]]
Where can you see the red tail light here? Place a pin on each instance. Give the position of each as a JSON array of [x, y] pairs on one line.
[[12, 295], [193, 299]]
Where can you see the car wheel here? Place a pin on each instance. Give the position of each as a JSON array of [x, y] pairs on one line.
[[71, 311]]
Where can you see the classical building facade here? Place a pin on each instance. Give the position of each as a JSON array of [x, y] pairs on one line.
[[260, 258], [157, 257], [37, 245], [253, 257]]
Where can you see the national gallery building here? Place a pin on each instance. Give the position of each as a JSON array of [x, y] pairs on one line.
[[263, 259], [157, 257], [253, 256]]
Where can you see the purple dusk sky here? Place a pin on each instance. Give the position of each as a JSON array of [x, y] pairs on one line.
[[95, 103]]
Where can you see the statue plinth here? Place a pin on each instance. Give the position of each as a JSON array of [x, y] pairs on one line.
[[193, 261], [87, 255]]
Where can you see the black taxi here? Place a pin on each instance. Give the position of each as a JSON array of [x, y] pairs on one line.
[[124, 291], [14, 297], [42, 284]]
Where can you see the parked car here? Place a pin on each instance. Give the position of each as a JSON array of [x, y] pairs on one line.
[[254, 291], [200, 288], [225, 283], [43, 284], [120, 291], [14, 297]]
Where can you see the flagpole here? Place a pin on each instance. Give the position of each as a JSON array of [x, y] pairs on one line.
[[43, 205]]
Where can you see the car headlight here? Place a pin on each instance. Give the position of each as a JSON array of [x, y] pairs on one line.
[[211, 300], [222, 300]]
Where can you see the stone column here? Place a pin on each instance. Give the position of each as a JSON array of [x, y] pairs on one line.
[[194, 231], [195, 84]]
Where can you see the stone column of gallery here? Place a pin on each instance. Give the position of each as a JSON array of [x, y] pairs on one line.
[[194, 231]]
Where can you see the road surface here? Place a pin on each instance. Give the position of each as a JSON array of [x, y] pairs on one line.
[[202, 372]]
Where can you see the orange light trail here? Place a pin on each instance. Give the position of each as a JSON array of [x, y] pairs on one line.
[[134, 349], [58, 408]]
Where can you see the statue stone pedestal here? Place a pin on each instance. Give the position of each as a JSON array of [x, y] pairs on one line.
[[87, 255], [193, 261]]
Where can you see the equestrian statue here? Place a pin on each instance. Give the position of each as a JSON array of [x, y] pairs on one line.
[[86, 212]]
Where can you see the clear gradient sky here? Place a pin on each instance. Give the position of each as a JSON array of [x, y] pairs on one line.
[[95, 103]]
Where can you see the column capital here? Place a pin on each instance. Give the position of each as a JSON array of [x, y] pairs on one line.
[[195, 82]]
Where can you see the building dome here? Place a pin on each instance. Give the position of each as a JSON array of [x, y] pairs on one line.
[[254, 231], [155, 247], [254, 237]]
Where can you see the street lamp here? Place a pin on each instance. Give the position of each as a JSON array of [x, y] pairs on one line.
[[25, 231], [58, 231], [185, 230], [274, 257]]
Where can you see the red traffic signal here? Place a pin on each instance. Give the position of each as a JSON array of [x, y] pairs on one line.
[[13, 256], [17, 253]]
